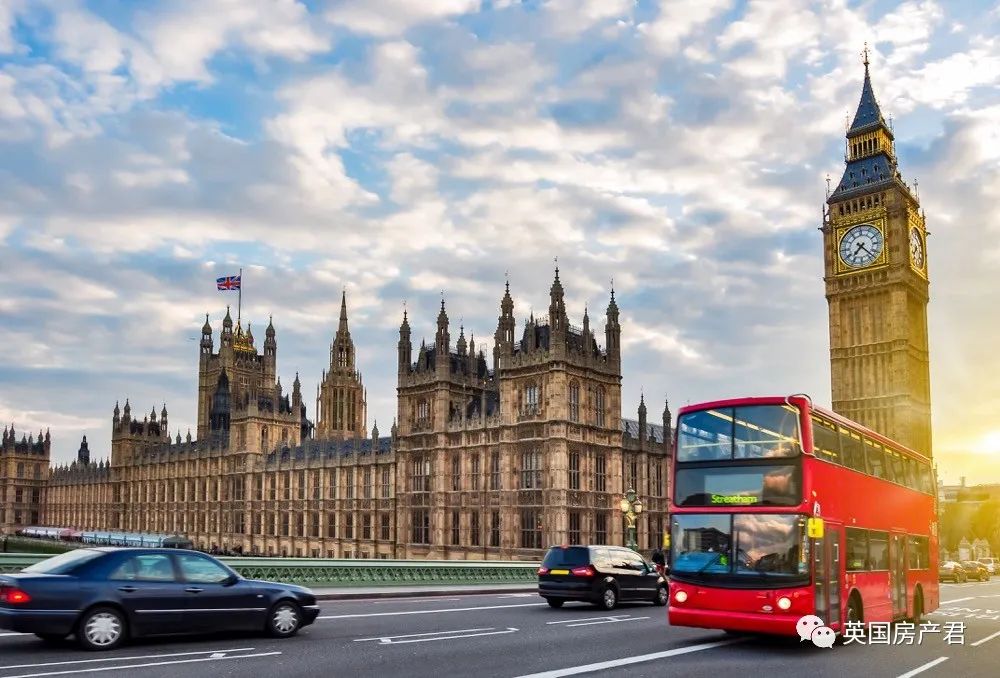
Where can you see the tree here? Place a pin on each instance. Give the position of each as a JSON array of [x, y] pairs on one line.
[[985, 523]]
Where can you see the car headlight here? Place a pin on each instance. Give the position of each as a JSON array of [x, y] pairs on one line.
[[680, 596], [784, 603]]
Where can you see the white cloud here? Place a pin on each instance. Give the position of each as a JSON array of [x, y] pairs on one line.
[[678, 20], [8, 15], [388, 18], [184, 37]]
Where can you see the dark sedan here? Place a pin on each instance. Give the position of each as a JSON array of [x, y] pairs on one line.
[[603, 575], [106, 595]]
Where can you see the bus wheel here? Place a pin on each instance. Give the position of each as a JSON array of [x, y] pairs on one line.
[[918, 607], [854, 613]]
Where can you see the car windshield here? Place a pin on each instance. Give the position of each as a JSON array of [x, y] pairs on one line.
[[749, 432], [742, 549], [571, 556], [64, 563]]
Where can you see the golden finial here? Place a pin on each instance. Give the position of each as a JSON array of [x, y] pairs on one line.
[[864, 54]]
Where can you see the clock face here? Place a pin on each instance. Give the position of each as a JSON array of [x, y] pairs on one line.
[[861, 245], [916, 248]]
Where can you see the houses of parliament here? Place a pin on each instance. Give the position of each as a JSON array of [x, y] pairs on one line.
[[494, 458]]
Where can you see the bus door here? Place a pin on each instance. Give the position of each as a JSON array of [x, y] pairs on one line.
[[897, 573], [826, 574]]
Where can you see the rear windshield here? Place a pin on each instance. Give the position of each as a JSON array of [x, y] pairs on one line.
[[572, 556], [64, 562]]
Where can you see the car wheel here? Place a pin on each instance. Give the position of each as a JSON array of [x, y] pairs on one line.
[[609, 598], [662, 596], [554, 603], [284, 619], [102, 628]]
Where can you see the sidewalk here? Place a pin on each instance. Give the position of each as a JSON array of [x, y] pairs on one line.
[[352, 592]]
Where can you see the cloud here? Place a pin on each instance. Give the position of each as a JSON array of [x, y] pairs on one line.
[[403, 149], [678, 20], [183, 37], [388, 18]]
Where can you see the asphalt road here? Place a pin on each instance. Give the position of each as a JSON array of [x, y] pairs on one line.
[[511, 635]]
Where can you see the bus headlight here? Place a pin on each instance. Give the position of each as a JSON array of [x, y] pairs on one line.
[[680, 596], [784, 603]]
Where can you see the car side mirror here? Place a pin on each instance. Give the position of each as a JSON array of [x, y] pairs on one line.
[[230, 580]]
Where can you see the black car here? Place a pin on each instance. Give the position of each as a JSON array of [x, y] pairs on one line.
[[603, 575], [107, 595]]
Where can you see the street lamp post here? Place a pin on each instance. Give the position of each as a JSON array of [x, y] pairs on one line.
[[631, 507]]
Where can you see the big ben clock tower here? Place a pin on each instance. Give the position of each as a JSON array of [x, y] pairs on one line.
[[877, 287]]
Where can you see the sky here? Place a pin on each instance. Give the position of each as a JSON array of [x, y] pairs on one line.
[[402, 150]]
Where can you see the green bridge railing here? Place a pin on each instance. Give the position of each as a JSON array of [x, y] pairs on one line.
[[351, 572]]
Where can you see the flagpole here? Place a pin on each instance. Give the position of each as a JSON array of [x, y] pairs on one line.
[[239, 298]]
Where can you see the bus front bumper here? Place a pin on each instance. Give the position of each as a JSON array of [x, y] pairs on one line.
[[750, 622]]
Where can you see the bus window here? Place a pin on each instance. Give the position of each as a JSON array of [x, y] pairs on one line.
[[705, 435], [854, 453], [878, 550], [766, 431], [926, 484], [876, 459], [918, 554], [912, 480], [898, 466], [826, 442], [857, 549]]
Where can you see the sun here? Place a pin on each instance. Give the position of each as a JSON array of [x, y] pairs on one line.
[[990, 443]]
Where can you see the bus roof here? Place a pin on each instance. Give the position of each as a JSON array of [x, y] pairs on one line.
[[801, 397]]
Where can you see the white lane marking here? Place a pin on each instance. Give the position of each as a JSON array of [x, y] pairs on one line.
[[417, 635], [922, 668], [124, 659], [957, 600], [570, 621], [450, 609], [987, 638], [607, 621], [141, 666], [387, 641], [4, 635], [518, 595], [402, 600], [626, 661]]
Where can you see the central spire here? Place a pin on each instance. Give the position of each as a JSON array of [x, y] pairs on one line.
[[868, 117], [342, 348]]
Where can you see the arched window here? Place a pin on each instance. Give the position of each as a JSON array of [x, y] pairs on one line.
[[423, 412], [574, 401], [599, 407], [531, 398], [263, 439]]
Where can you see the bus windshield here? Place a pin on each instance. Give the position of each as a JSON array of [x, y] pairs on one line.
[[748, 432], [756, 549]]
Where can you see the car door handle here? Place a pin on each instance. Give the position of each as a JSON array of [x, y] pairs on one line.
[[193, 589], [126, 589]]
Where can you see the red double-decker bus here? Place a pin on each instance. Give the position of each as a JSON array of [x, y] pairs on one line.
[[780, 509]]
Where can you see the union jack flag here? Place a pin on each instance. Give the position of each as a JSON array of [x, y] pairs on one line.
[[230, 282]]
